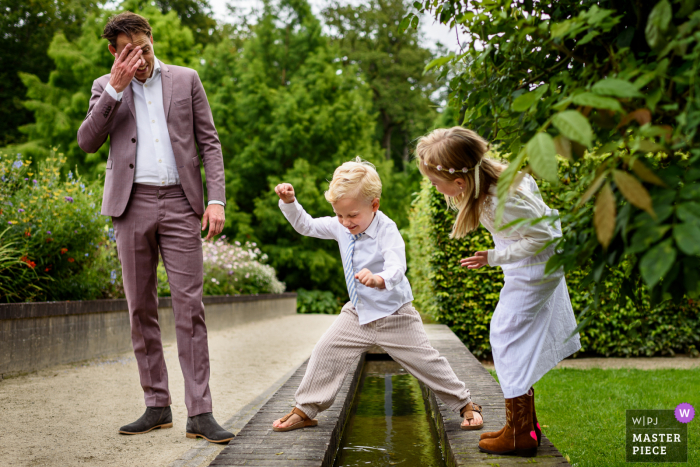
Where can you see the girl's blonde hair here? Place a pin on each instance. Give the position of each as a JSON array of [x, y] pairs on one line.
[[354, 178], [464, 151]]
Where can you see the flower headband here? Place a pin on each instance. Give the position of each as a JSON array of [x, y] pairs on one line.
[[440, 168]]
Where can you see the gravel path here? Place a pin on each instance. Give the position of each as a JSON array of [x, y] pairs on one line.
[[69, 415]]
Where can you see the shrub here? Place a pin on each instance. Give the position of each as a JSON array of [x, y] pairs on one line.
[[55, 228], [231, 269], [317, 301], [464, 299]]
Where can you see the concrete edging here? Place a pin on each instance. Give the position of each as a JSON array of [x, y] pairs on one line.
[[460, 447], [41, 334], [257, 445]]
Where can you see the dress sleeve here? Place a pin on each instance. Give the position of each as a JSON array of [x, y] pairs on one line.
[[533, 238], [323, 227]]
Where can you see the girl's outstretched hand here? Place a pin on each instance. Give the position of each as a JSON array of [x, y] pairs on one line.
[[480, 258], [286, 192]]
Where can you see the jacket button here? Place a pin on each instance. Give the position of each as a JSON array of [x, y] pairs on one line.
[[131, 166], [133, 140]]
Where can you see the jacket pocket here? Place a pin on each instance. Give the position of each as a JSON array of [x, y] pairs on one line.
[[181, 102], [195, 161]]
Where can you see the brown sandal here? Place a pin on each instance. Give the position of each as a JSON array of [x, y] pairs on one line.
[[305, 421], [467, 413]]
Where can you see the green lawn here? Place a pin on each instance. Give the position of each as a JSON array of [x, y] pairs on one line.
[[583, 411]]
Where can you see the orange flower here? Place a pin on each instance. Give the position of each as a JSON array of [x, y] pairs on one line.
[[71, 260], [63, 250], [28, 233], [49, 240], [48, 268], [29, 262]]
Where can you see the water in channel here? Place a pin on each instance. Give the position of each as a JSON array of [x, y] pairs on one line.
[[389, 424]]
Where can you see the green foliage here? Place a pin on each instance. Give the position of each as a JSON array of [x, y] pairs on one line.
[[392, 62], [286, 112], [195, 15], [27, 30], [286, 105], [60, 105], [616, 80], [317, 301], [56, 231], [231, 269], [620, 321]]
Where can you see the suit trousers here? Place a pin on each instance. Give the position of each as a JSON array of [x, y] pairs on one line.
[[162, 218], [403, 337]]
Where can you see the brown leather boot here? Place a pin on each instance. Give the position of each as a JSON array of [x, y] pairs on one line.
[[535, 424], [492, 434], [515, 438]]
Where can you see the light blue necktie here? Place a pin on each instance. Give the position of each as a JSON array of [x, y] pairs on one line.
[[349, 272]]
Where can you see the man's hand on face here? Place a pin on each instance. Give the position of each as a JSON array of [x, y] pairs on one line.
[[124, 68], [214, 216]]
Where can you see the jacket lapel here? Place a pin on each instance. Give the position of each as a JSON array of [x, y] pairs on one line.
[[167, 82], [128, 97]]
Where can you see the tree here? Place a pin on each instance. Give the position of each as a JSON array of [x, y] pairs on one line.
[[60, 104], [611, 85], [286, 111], [27, 30], [393, 63], [194, 14]]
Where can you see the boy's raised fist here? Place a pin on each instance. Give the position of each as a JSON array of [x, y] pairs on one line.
[[286, 192]]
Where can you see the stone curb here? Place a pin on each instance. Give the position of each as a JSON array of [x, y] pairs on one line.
[[461, 447], [258, 445], [198, 455]]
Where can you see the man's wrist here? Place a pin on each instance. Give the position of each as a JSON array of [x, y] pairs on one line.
[[116, 95]]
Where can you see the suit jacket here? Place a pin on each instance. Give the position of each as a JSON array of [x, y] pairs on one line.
[[189, 121]]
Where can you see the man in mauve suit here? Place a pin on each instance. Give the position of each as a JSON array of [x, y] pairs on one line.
[[153, 191]]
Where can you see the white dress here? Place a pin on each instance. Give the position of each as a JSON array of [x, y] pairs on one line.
[[534, 317]]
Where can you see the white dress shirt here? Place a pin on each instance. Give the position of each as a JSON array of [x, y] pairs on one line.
[[381, 250], [155, 160]]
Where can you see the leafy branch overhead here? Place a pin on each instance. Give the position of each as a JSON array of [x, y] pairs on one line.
[[609, 88]]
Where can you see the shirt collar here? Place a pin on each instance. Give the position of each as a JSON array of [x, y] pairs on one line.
[[154, 75], [371, 231]]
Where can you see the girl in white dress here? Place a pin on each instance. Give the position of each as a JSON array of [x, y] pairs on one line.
[[534, 317]]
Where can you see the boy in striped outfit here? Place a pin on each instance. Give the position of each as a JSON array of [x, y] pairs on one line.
[[379, 311]]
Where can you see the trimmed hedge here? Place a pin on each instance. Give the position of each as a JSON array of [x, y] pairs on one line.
[[465, 299]]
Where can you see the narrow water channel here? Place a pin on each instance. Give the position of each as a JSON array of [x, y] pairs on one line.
[[389, 424]]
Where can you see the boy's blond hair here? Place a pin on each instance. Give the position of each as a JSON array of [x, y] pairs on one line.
[[357, 178]]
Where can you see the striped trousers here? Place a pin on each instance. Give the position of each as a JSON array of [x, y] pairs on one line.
[[401, 335]]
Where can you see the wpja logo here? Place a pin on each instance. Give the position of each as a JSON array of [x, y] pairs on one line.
[[656, 436]]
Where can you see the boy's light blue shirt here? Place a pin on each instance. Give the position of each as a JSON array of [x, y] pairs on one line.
[[381, 250]]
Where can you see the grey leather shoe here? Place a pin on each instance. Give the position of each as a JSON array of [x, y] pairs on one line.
[[204, 426], [152, 418]]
